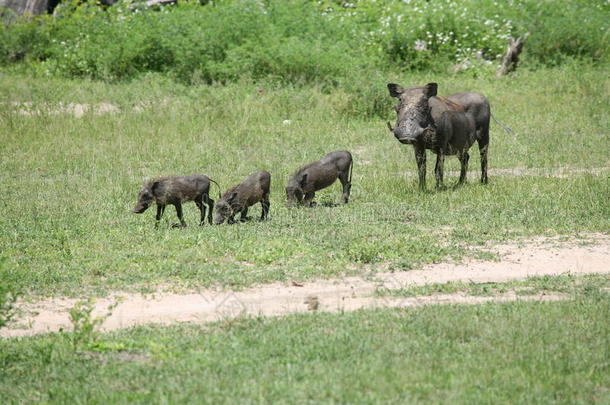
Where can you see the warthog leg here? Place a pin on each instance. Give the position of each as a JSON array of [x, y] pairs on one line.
[[308, 199], [180, 216], [347, 186], [265, 204], [420, 158], [483, 151], [202, 208], [244, 215], [207, 200], [483, 146], [464, 157], [438, 169], [160, 211], [346, 189]]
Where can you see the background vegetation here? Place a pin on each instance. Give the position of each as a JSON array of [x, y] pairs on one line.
[[328, 44]]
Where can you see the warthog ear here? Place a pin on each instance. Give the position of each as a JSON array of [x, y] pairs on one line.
[[430, 89], [233, 197], [395, 89], [154, 186], [303, 180]]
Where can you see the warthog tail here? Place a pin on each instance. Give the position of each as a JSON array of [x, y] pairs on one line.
[[351, 170], [216, 186], [504, 127]]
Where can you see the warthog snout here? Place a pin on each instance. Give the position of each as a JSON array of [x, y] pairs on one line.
[[408, 135], [139, 209], [223, 211], [145, 200], [294, 196]]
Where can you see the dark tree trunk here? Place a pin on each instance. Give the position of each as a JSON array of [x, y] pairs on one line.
[[511, 58]]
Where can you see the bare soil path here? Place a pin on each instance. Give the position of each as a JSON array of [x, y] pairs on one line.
[[532, 258]]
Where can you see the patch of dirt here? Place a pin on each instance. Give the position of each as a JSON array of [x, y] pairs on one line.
[[76, 109], [536, 257], [556, 172]]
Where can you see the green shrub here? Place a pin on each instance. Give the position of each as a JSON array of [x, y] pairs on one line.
[[423, 34], [567, 29], [20, 38], [325, 43]]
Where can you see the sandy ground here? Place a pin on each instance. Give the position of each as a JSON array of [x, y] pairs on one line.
[[76, 109], [532, 258]]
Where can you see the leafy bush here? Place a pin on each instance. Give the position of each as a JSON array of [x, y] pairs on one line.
[[287, 41], [20, 37], [423, 34], [300, 40], [324, 43], [566, 29]]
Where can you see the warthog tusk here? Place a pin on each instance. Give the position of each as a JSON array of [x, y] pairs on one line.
[[390, 127]]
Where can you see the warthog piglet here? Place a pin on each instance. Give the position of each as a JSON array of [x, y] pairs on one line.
[[237, 200], [175, 191], [303, 184]]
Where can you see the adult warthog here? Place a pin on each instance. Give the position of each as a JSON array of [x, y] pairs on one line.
[[445, 125]]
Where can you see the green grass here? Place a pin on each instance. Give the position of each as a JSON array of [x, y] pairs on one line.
[[518, 352], [68, 183], [565, 284]]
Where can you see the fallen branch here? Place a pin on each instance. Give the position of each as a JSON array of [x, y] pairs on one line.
[[511, 58]]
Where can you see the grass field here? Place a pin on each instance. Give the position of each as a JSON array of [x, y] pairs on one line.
[[234, 87], [487, 354], [68, 182]]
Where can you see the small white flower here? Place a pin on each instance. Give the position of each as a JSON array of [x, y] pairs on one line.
[[420, 45]]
